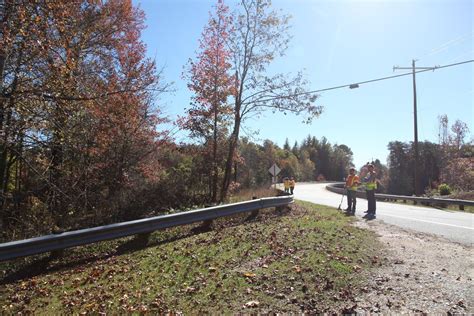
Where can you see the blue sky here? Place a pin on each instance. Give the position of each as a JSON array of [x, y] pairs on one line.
[[341, 42]]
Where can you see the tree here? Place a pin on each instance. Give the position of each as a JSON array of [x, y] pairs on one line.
[[260, 35], [460, 130], [443, 129], [76, 104], [307, 167], [400, 166], [459, 174], [341, 161], [456, 156], [211, 84], [286, 145], [324, 158], [430, 163], [295, 149]]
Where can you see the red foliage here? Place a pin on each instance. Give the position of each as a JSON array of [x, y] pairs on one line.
[[209, 76], [77, 103], [211, 83]]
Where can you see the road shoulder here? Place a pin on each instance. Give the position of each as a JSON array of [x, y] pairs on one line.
[[418, 273]]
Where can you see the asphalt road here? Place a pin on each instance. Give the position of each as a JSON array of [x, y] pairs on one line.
[[455, 226]]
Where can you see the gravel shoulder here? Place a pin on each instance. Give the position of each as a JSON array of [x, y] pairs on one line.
[[417, 273]]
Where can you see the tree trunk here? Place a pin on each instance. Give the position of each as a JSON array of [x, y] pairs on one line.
[[55, 203], [234, 137], [214, 160], [230, 155]]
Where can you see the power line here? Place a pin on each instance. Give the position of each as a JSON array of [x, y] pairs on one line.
[[394, 76], [355, 85]]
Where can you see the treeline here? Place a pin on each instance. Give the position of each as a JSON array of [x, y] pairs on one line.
[[449, 163], [312, 160]]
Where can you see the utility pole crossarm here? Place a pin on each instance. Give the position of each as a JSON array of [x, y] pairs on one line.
[[417, 68]]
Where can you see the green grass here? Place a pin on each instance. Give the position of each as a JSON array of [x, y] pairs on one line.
[[308, 258]]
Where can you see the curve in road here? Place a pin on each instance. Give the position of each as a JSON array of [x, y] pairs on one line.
[[455, 226]]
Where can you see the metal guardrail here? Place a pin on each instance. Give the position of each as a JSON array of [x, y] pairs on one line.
[[32, 246], [339, 188]]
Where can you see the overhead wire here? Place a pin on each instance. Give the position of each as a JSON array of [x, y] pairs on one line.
[[368, 81], [355, 84]]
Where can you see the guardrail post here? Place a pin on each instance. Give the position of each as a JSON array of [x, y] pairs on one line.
[[206, 225], [281, 209], [142, 239], [253, 214], [56, 254], [461, 207]]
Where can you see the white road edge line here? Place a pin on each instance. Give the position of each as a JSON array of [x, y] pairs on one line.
[[421, 220]]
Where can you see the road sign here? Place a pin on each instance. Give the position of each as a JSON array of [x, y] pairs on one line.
[[274, 170]]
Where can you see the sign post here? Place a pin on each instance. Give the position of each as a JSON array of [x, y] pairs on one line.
[[274, 171]]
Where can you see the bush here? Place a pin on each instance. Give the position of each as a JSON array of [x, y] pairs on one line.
[[444, 189]]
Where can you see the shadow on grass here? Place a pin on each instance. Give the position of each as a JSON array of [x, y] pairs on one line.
[[48, 264]]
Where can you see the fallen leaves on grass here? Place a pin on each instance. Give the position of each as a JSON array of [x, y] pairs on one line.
[[249, 275], [252, 304]]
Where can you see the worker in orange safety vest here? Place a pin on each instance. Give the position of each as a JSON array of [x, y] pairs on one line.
[[292, 185], [286, 184], [352, 182]]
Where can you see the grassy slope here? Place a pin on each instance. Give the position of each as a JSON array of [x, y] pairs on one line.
[[308, 258]]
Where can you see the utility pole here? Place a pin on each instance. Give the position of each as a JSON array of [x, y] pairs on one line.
[[415, 121]]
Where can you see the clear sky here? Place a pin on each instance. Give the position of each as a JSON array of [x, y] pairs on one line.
[[341, 42]]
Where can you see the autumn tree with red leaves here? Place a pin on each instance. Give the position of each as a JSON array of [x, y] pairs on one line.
[[212, 84], [77, 121]]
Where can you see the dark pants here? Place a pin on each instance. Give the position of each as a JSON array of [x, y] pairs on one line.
[[292, 189], [371, 201], [351, 201]]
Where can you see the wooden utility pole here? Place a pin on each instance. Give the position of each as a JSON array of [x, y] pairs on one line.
[[415, 123]]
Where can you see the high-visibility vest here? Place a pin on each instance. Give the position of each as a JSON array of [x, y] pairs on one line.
[[292, 183], [371, 182], [286, 184], [371, 185], [351, 182]]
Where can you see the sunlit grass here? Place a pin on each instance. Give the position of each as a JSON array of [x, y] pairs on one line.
[[311, 254]]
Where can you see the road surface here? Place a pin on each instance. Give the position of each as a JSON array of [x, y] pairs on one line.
[[455, 226]]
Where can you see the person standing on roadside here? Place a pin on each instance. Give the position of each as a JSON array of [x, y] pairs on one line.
[[286, 184], [370, 182], [352, 182], [292, 185]]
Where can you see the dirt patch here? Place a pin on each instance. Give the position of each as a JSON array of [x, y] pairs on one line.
[[419, 273]]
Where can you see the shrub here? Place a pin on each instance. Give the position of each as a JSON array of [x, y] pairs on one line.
[[444, 189]]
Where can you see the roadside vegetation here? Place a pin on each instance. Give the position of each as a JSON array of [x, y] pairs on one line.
[[84, 139], [304, 258]]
